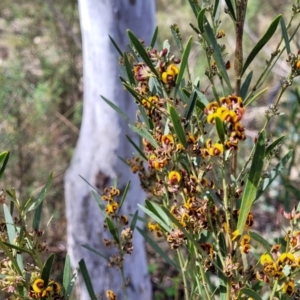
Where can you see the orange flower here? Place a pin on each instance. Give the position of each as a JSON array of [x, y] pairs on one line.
[[174, 177]]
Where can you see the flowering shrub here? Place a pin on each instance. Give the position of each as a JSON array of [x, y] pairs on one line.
[[199, 197]]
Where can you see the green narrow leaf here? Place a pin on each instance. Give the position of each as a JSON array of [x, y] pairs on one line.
[[184, 62], [87, 279], [154, 37], [47, 269], [71, 285], [195, 7], [154, 207], [17, 248], [10, 225], [258, 238], [285, 36], [134, 220], [230, 9], [261, 43], [190, 106], [117, 109], [37, 217], [128, 70], [266, 182], [115, 45], [274, 144], [177, 38], [216, 11], [145, 134], [195, 28], [126, 189], [141, 51], [136, 147], [220, 129], [112, 229], [248, 102], [4, 156], [146, 119], [162, 253], [94, 251], [67, 272], [217, 55], [177, 126], [156, 218], [251, 187], [8, 253], [201, 19], [35, 202], [249, 292], [245, 85]]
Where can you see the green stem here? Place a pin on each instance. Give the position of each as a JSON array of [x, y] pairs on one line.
[[183, 270], [273, 290]]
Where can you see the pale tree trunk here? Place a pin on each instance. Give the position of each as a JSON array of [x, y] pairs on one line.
[[101, 140]]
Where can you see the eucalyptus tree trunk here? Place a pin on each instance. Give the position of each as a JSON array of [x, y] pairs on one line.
[[101, 141]]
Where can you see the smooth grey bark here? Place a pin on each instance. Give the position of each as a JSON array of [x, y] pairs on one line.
[[101, 140]]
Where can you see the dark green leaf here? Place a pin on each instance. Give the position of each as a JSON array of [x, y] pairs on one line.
[[190, 106], [245, 85], [249, 292], [112, 229], [95, 251], [261, 43], [216, 10], [126, 189], [220, 129], [10, 225], [154, 37], [201, 19], [177, 126], [4, 156], [116, 46], [40, 197], [146, 119], [285, 36], [145, 134], [266, 182], [177, 38], [134, 220], [258, 238], [141, 51], [87, 279], [195, 28], [9, 254], [230, 9], [71, 285], [195, 7], [117, 109], [37, 217], [47, 269], [67, 272], [128, 70], [162, 253], [137, 148], [184, 62], [17, 248], [217, 55], [251, 187], [274, 144]]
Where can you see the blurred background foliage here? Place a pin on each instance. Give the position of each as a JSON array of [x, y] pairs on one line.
[[41, 97]]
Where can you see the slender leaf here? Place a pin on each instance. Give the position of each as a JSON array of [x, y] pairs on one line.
[[249, 292], [248, 102], [141, 51], [4, 156], [145, 134], [255, 236], [201, 19], [35, 202], [71, 285], [128, 70], [195, 28], [251, 187], [190, 106], [162, 253], [285, 36], [154, 207], [274, 144], [116, 46], [154, 37], [177, 37], [184, 62], [67, 272], [230, 9], [126, 189], [19, 249], [47, 269], [134, 220], [37, 217], [117, 109], [156, 218], [220, 129], [216, 11], [217, 54], [112, 229], [94, 251], [261, 43], [9, 254], [245, 85], [87, 279], [10, 225], [177, 126], [195, 7], [137, 148], [266, 182]]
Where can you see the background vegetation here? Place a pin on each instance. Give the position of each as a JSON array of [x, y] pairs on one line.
[[41, 103]]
